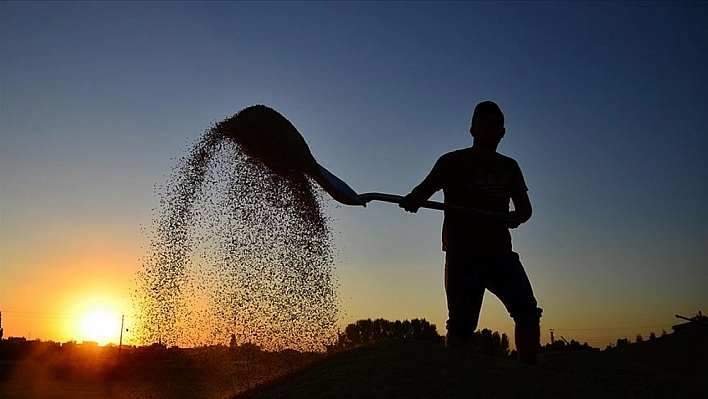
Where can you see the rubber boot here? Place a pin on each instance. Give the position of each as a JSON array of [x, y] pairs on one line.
[[527, 341]]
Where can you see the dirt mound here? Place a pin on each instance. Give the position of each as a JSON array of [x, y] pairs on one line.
[[684, 353], [420, 369]]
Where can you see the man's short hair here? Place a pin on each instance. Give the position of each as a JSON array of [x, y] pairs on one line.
[[487, 108]]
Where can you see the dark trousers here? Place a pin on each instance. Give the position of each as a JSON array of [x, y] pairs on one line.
[[466, 278]]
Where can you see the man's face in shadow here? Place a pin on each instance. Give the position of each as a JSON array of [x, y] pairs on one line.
[[488, 130]]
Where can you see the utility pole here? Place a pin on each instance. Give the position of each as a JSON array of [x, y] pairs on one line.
[[552, 338], [120, 345]]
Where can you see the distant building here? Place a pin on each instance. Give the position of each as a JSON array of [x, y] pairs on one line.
[[69, 345]]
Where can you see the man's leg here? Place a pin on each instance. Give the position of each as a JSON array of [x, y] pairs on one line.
[[464, 288], [510, 283]]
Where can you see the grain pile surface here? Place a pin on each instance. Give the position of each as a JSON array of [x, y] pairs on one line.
[[240, 245]]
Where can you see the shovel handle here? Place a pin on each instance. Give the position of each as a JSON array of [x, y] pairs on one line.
[[368, 197]]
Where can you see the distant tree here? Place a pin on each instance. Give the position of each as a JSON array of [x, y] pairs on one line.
[[663, 333], [232, 341], [381, 329], [491, 343], [573, 345], [652, 336], [351, 336], [422, 329], [639, 338], [401, 329], [622, 342], [366, 330]]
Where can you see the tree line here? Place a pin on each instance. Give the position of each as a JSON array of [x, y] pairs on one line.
[[367, 331]]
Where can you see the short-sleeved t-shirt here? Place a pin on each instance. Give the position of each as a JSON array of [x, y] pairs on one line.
[[485, 183]]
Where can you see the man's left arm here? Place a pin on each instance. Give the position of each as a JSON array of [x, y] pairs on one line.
[[522, 210]]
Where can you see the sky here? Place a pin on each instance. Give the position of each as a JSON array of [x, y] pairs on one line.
[[605, 107]]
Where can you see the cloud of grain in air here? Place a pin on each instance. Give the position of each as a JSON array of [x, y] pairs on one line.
[[239, 244]]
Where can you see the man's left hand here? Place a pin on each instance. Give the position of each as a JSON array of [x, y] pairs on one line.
[[512, 220]]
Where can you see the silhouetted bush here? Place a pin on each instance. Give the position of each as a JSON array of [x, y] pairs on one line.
[[491, 343], [564, 345]]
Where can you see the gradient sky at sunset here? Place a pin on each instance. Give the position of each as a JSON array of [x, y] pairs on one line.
[[606, 107]]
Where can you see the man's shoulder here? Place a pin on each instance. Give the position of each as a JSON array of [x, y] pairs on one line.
[[506, 159], [468, 153], [462, 153]]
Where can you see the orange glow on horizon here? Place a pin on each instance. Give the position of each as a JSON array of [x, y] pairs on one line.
[[62, 286]]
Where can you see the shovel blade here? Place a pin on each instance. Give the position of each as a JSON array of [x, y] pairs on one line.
[[336, 187]]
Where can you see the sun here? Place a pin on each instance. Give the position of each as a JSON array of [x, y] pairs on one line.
[[101, 326]]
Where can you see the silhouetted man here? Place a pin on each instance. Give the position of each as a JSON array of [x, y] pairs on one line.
[[478, 247]]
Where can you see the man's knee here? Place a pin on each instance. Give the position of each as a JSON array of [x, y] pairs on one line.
[[528, 318]]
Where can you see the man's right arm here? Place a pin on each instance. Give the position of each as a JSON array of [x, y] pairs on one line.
[[431, 184]]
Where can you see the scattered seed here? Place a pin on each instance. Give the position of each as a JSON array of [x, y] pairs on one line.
[[240, 243]]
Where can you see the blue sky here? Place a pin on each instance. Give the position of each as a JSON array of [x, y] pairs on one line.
[[605, 106]]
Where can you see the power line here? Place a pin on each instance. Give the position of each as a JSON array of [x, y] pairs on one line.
[[609, 328], [41, 315]]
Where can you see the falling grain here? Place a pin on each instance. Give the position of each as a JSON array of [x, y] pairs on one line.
[[240, 243]]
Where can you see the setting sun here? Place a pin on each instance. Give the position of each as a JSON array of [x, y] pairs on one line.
[[101, 326]]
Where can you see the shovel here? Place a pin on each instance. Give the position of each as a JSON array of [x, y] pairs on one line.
[[341, 192], [264, 134]]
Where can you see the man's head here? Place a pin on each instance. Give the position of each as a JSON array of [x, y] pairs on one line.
[[487, 126]]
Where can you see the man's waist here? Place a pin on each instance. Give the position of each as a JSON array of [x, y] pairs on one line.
[[489, 241]]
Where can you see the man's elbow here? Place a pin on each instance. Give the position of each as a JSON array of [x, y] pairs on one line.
[[523, 213], [522, 207]]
